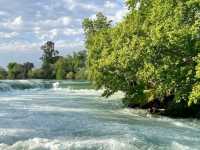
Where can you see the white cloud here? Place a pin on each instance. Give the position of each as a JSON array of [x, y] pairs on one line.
[[90, 7], [19, 46], [53, 33], [70, 31], [3, 13], [30, 23], [110, 5], [65, 20], [8, 34], [16, 23], [54, 23], [71, 4], [93, 16], [46, 35], [119, 15], [74, 5], [13, 24], [75, 45]]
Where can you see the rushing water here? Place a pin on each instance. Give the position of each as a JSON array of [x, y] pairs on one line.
[[51, 115]]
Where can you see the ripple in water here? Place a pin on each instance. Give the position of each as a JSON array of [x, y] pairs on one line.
[[70, 115]]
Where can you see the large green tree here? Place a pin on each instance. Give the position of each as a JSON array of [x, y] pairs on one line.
[[150, 55]]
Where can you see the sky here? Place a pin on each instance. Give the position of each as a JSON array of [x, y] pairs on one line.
[[27, 24]]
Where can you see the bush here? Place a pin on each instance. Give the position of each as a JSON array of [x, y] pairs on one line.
[[70, 75], [81, 75], [3, 73]]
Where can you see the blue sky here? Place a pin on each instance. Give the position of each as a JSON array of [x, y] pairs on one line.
[[26, 24]]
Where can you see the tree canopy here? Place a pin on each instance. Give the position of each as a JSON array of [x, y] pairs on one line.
[[3, 73], [152, 54]]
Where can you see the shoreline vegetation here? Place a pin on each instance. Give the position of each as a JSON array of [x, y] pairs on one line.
[[152, 55], [53, 66]]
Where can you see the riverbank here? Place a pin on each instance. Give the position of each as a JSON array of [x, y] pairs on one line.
[[167, 107]]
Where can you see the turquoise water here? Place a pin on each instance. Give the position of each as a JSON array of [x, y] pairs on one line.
[[68, 115]]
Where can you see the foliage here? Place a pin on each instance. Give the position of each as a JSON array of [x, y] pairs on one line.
[[36, 74], [19, 71], [3, 73], [81, 74], [60, 67], [28, 66], [71, 65], [53, 66], [49, 53], [70, 75], [150, 54], [49, 58], [93, 26], [194, 97]]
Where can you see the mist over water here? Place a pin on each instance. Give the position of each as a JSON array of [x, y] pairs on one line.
[[70, 115]]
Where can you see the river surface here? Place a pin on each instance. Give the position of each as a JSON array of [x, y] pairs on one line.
[[69, 115]]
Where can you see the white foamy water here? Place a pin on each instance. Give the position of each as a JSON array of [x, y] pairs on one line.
[[37, 143], [69, 115], [12, 132]]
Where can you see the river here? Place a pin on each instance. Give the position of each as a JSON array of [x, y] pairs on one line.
[[70, 115]]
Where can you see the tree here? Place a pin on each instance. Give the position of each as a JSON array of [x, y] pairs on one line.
[[91, 26], [49, 58], [49, 53], [79, 60], [194, 97], [28, 66], [15, 71], [19, 71], [60, 67], [3, 73], [36, 74], [95, 31], [150, 54]]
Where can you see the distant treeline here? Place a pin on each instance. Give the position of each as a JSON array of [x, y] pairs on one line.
[[153, 55], [53, 66]]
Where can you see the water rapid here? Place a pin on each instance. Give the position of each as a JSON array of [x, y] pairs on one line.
[[71, 115]]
